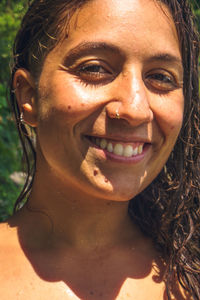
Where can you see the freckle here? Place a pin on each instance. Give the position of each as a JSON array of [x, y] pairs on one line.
[[69, 107], [172, 127], [82, 104], [106, 180], [95, 172]]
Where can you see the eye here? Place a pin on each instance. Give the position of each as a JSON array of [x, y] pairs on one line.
[[91, 68], [161, 81], [94, 73]]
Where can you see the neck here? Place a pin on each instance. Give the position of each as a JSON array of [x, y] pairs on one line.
[[69, 216]]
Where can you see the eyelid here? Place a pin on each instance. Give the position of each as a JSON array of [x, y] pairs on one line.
[[159, 86], [89, 77], [172, 75], [94, 62], [88, 62], [175, 73], [160, 70]]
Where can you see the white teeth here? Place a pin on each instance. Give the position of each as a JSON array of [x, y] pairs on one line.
[[103, 144], [135, 151], [118, 149], [128, 151], [140, 149], [110, 147]]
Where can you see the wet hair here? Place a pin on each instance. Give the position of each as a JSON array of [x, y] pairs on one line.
[[168, 210]]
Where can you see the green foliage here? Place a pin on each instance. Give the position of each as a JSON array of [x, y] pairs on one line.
[[10, 158], [10, 15], [196, 8]]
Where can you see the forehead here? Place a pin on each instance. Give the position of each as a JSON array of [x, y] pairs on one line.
[[134, 26], [150, 16]]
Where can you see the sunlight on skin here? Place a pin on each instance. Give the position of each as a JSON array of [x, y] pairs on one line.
[[81, 234]]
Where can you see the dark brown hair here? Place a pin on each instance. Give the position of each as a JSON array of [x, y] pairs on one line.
[[169, 209]]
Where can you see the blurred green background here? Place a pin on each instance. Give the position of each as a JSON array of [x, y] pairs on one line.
[[11, 11]]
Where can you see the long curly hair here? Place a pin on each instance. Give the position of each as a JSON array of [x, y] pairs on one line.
[[169, 209]]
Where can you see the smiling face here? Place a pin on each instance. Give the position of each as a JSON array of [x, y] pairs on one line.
[[110, 102]]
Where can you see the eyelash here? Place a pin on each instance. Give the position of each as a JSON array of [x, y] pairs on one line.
[[162, 81], [94, 77], [159, 81]]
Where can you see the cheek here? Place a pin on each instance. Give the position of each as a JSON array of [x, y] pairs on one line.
[[169, 115], [69, 95]]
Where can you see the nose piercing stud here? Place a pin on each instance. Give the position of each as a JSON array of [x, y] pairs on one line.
[[117, 116]]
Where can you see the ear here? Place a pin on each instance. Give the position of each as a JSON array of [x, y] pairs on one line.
[[25, 91]]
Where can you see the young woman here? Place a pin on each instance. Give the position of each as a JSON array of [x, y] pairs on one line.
[[110, 92]]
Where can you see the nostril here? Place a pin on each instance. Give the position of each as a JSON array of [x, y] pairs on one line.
[[134, 112]]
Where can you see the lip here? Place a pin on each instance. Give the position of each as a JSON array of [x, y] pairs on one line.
[[121, 159], [121, 139]]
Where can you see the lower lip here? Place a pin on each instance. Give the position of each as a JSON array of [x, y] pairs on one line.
[[122, 159]]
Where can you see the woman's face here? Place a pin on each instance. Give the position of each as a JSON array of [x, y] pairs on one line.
[[121, 57]]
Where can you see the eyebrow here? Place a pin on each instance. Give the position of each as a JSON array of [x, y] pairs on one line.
[[168, 58], [86, 48]]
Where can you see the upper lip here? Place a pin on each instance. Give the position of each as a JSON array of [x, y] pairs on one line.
[[123, 139]]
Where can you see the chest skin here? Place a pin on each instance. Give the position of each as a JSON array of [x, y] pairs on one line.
[[103, 275], [87, 280]]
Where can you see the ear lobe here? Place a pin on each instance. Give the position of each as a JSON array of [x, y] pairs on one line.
[[25, 92]]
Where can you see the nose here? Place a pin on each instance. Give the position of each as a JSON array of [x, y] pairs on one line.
[[130, 101]]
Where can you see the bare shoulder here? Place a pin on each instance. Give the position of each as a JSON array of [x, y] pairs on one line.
[[9, 245], [14, 264], [11, 253], [8, 237]]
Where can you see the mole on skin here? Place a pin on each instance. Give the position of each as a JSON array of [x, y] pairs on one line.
[[95, 172]]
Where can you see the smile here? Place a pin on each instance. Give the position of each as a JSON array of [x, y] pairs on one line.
[[117, 148]]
